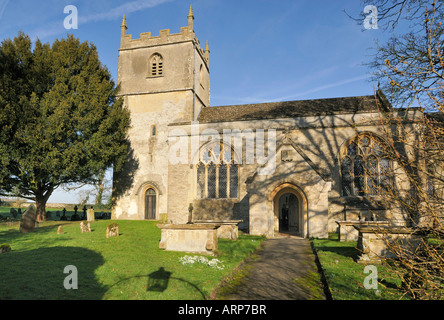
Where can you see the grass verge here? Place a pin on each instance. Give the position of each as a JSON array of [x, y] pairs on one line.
[[347, 279], [128, 267]]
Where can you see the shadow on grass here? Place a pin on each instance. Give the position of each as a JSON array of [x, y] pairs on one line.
[[345, 249], [39, 274], [158, 281], [11, 231]]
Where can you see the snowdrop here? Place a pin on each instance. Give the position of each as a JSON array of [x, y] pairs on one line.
[[213, 263]]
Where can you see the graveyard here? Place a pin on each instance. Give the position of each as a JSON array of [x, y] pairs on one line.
[[121, 263], [122, 260]]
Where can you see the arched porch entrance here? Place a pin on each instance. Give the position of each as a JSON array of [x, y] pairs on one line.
[[288, 209], [288, 213]]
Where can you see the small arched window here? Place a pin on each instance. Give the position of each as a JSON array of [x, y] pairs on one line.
[[156, 65], [365, 168], [217, 173]]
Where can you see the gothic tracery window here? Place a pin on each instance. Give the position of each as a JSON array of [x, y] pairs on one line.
[[365, 169], [217, 174]]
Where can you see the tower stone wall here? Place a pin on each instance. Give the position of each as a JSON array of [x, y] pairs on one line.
[[163, 79]]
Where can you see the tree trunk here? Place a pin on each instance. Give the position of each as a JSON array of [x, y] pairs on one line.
[[100, 187], [41, 209], [99, 195], [40, 202]]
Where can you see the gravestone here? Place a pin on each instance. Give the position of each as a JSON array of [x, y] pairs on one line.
[[29, 217], [84, 213], [85, 226], [75, 217], [13, 213], [198, 238], [60, 230], [90, 214], [63, 217], [112, 230]]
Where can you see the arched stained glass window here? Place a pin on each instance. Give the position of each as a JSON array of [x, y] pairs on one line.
[[359, 175], [234, 180], [201, 181], [364, 168], [347, 180], [217, 172], [212, 181]]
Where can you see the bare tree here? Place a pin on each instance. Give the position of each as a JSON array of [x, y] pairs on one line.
[[411, 70]]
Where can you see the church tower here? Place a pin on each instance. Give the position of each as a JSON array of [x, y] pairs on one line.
[[163, 79]]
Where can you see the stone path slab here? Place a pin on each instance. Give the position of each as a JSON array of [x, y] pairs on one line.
[[285, 270]]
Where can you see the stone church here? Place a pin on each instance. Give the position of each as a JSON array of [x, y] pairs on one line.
[[281, 167]]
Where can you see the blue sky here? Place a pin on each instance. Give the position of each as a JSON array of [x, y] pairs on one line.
[[260, 50]]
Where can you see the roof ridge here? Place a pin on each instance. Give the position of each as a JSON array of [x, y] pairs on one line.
[[288, 101]]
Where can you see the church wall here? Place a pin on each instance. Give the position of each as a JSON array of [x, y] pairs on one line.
[[306, 161], [321, 140]]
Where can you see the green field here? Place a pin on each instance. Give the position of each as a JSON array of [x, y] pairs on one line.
[[5, 212], [127, 267]]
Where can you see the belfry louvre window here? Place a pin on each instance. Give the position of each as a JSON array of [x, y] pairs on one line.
[[217, 174], [365, 169], [156, 65]]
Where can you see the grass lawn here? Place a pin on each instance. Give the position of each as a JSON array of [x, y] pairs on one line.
[[130, 266], [346, 278]]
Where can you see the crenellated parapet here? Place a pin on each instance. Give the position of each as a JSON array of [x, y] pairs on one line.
[[164, 38]]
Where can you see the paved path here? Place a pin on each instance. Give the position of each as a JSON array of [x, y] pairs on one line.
[[285, 270]]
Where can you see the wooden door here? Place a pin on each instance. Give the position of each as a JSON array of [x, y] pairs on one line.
[[150, 204]]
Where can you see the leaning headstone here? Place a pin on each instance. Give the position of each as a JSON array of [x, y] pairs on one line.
[[85, 226], [60, 230], [90, 214], [112, 230], [29, 218]]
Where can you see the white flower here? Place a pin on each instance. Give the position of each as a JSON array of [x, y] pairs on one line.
[[213, 263]]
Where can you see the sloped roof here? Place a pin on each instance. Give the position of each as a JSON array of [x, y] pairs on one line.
[[289, 109]]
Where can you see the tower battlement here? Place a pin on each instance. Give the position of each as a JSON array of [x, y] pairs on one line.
[[164, 38]]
